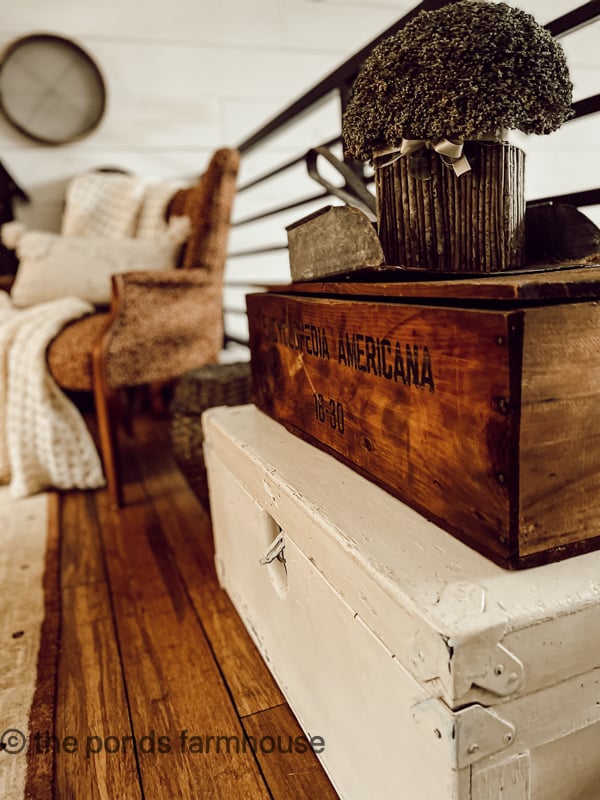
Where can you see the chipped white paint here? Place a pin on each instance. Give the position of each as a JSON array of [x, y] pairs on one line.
[[469, 671], [300, 637], [506, 781]]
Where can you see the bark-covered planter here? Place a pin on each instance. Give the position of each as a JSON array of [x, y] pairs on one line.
[[474, 222]]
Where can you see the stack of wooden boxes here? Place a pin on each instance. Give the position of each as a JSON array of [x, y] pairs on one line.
[[388, 566]]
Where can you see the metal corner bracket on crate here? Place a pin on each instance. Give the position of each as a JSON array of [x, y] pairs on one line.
[[476, 732], [471, 635]]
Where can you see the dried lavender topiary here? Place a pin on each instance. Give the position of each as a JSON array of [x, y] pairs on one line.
[[463, 71]]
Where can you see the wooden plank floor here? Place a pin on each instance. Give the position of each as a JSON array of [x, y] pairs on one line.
[[154, 663]]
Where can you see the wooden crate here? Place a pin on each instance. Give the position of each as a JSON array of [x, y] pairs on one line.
[[426, 670], [475, 401]]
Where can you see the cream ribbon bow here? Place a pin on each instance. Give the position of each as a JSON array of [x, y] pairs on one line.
[[450, 151]]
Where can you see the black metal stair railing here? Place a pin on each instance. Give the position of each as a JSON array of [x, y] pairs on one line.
[[355, 179]]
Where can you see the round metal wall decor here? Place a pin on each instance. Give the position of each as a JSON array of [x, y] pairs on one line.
[[50, 89]]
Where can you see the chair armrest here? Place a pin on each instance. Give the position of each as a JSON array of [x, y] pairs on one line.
[[162, 324]]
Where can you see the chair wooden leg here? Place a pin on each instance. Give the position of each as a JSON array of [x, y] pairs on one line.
[[104, 400]]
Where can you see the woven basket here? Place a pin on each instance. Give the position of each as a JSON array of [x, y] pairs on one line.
[[196, 391]]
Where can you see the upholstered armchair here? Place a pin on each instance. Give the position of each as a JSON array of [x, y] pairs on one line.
[[160, 324]]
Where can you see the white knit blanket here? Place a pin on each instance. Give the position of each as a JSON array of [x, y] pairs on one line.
[[44, 441]]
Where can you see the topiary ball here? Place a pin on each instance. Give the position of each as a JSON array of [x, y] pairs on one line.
[[462, 71]]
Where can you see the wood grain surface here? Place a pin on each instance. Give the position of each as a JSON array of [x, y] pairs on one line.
[[151, 647], [91, 699], [552, 283], [560, 428], [186, 526]]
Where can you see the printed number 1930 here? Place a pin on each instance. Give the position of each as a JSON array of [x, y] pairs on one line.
[[331, 411]]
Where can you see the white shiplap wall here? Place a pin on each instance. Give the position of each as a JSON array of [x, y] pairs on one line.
[[187, 76], [183, 77]]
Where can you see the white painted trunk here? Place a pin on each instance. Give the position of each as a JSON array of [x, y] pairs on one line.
[[429, 671]]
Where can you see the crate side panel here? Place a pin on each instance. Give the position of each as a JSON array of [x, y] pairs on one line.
[[560, 428]]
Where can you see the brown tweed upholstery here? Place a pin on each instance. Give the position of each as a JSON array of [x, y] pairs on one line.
[[69, 355], [179, 325], [150, 341], [208, 205]]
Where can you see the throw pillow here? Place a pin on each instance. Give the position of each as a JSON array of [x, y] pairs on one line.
[[102, 204], [152, 221], [53, 266]]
